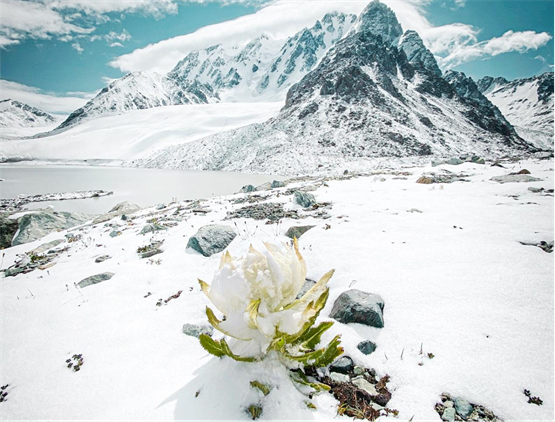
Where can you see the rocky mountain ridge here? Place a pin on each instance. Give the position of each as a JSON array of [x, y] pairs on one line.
[[17, 114]]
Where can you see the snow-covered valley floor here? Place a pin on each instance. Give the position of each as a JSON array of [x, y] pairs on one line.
[[446, 259]]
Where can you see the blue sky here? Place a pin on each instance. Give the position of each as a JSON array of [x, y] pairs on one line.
[[70, 52]]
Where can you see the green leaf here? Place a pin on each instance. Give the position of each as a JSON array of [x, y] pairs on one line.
[[312, 291], [215, 322], [210, 345], [311, 338], [308, 358], [300, 378], [227, 351], [265, 389], [331, 352]]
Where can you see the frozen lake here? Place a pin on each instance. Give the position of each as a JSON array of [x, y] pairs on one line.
[[145, 187]]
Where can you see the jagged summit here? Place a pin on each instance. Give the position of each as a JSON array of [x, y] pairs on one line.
[[14, 113], [418, 55], [380, 20]]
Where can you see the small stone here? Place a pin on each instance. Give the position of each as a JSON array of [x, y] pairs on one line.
[[337, 377], [102, 258], [308, 283], [425, 180], [115, 233], [515, 178], [463, 408], [366, 347], [376, 406], [361, 383], [413, 210], [448, 403], [524, 171], [196, 330], [277, 184], [535, 190], [343, 365], [359, 370], [478, 160], [160, 206], [151, 228], [95, 279], [297, 231], [448, 414], [304, 199], [151, 253]]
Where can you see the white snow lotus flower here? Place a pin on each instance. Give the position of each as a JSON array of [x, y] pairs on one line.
[[257, 296]]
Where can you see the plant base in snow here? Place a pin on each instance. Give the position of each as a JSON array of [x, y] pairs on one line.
[[4, 393], [533, 399], [458, 409], [356, 400]]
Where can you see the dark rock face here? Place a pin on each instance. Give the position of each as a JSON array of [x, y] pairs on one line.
[[379, 19], [95, 279], [360, 307], [211, 239], [8, 228]]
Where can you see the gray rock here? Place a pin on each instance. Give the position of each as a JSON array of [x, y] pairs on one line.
[[454, 161], [436, 162], [337, 377], [297, 231], [123, 208], [366, 347], [478, 160], [360, 307], [358, 370], [306, 287], [247, 189], [160, 206], [463, 408], [448, 403], [151, 228], [277, 184], [515, 178], [448, 414], [95, 279], [10, 272], [535, 190], [304, 199], [102, 258], [8, 229], [342, 365], [361, 383], [211, 239], [263, 186], [115, 233], [196, 330], [151, 253], [33, 226], [45, 247]]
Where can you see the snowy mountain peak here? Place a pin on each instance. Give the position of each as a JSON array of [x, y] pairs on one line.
[[380, 20], [526, 103], [141, 90], [417, 54], [17, 114]]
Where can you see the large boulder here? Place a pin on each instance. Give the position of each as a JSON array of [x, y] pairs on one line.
[[8, 229], [35, 225], [515, 178], [297, 231], [211, 239], [95, 279], [304, 199], [123, 208], [360, 307]]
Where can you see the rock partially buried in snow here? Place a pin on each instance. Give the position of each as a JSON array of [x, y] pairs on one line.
[[338, 377], [277, 184], [448, 414], [247, 189], [515, 178], [123, 208], [102, 258], [45, 247], [304, 199], [424, 180], [95, 279], [151, 228], [306, 287], [359, 307], [196, 330], [463, 407], [8, 229], [342, 365], [454, 161], [33, 226], [366, 347], [297, 231], [211, 239], [361, 383]]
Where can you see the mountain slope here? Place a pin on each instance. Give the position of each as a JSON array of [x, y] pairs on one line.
[[139, 91], [15, 114], [364, 100], [526, 103]]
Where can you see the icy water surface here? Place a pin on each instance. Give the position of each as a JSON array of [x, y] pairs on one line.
[[145, 187]]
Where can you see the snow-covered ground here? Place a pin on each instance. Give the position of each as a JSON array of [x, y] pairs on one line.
[[455, 280], [138, 133]]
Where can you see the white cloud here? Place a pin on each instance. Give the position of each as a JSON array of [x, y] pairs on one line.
[[114, 36], [77, 47], [510, 41], [115, 44], [47, 101]]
